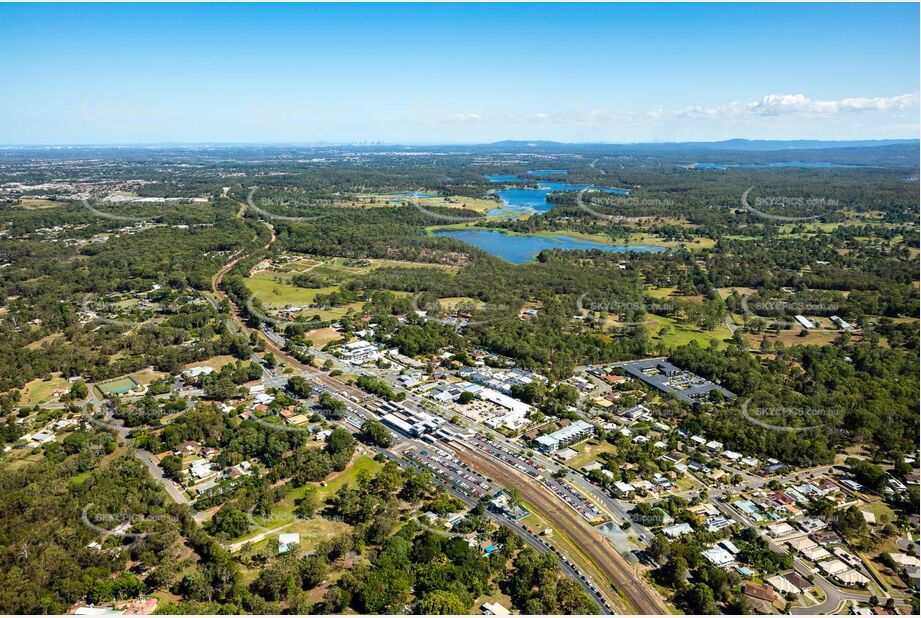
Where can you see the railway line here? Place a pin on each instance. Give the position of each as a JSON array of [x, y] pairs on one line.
[[635, 595], [631, 594]]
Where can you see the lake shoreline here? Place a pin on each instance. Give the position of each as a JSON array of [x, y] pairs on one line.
[[521, 248]]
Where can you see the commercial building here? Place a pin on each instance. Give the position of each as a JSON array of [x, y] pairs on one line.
[[580, 430], [359, 352], [410, 422], [517, 413], [666, 377]]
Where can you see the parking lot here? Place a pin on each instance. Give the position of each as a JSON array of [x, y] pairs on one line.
[[445, 466], [560, 487]]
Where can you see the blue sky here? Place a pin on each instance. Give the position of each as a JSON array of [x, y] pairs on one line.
[[439, 73]]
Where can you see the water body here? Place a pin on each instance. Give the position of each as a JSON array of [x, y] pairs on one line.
[[548, 172], [535, 200], [800, 164], [519, 249]]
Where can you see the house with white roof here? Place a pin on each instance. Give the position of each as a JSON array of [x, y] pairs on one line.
[[802, 544], [288, 541], [816, 553], [718, 556], [678, 530], [780, 529], [852, 578], [832, 567], [782, 585]]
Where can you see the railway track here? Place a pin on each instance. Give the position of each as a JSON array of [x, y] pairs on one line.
[[640, 597]]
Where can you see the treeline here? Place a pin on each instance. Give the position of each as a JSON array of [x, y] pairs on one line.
[[410, 567], [46, 562], [848, 393], [48, 282]]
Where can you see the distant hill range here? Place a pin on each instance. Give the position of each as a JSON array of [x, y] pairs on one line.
[[892, 153], [869, 153], [729, 144]]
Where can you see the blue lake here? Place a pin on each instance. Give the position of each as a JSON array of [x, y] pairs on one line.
[[519, 249], [801, 164], [535, 200]]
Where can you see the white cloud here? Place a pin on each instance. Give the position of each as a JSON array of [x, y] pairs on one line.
[[799, 104], [769, 106], [777, 104], [466, 117]]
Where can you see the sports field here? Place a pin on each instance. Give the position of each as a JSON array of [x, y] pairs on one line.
[[119, 386]]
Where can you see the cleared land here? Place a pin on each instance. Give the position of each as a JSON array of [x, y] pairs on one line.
[[680, 333], [271, 284], [39, 391], [316, 529], [215, 362], [321, 336], [589, 451]]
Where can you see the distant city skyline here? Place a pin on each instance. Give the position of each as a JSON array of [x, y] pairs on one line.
[[452, 73]]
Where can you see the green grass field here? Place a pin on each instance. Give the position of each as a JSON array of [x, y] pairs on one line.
[[39, 391], [316, 529], [682, 334], [119, 386], [588, 452], [273, 289], [285, 506]]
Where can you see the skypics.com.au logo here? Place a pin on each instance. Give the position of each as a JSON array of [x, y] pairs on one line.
[[608, 200], [474, 308], [119, 524], [771, 417], [808, 204], [285, 203], [799, 308], [586, 305]]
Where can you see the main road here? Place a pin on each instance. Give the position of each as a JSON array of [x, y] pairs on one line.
[[637, 595]]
